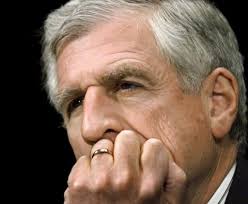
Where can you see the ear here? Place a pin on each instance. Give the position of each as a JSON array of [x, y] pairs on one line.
[[222, 92]]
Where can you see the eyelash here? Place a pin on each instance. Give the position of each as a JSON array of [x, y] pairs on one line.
[[128, 86], [75, 103]]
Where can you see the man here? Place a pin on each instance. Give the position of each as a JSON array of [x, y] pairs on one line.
[[153, 99]]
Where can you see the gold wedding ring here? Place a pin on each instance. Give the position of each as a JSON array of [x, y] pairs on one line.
[[101, 151]]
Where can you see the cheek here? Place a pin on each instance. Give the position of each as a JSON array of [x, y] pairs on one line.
[[186, 134], [164, 129], [140, 118], [77, 143]]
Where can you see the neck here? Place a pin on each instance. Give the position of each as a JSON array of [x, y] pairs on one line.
[[201, 192]]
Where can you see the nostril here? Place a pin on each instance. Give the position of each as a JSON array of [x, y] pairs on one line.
[[109, 130]]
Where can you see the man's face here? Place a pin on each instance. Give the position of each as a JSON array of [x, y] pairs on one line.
[[127, 85]]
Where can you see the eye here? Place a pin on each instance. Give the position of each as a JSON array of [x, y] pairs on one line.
[[75, 103], [128, 86]]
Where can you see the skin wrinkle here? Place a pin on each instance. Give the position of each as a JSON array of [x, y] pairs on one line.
[[233, 152], [109, 81], [156, 111], [150, 7], [211, 174], [207, 180], [165, 121], [66, 95], [158, 72], [61, 83], [168, 131], [140, 21], [122, 72], [163, 80]]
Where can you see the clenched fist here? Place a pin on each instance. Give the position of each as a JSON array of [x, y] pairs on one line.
[[133, 173]]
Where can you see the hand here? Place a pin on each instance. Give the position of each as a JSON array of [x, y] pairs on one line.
[[133, 174]]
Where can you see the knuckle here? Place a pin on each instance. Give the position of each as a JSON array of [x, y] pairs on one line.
[[156, 143], [76, 179], [122, 181], [127, 132], [75, 186], [178, 176], [81, 161], [82, 158], [181, 178], [100, 183], [147, 193], [157, 148], [149, 189], [127, 137]]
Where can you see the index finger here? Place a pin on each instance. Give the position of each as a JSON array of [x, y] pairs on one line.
[[127, 150]]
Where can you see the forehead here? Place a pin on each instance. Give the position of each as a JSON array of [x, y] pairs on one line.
[[108, 44], [133, 28]]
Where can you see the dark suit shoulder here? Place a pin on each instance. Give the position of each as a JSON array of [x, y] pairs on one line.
[[238, 193]]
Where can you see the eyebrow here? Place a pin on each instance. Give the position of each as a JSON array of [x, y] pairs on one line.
[[124, 71], [66, 95], [108, 80]]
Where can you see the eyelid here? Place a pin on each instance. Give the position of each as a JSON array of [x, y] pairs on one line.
[[69, 108], [120, 86], [138, 84]]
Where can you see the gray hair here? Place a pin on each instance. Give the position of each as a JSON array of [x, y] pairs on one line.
[[192, 34]]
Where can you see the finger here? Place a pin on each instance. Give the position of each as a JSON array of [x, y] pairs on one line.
[[127, 150], [102, 160], [154, 164], [66, 196], [175, 184], [78, 178], [126, 162]]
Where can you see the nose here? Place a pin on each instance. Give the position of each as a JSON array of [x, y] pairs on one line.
[[101, 116]]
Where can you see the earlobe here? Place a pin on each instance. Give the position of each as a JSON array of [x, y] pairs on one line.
[[223, 101]]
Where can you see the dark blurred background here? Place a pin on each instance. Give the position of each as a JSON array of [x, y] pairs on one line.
[[48, 158]]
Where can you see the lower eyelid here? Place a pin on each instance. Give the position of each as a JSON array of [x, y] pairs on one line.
[[71, 107]]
